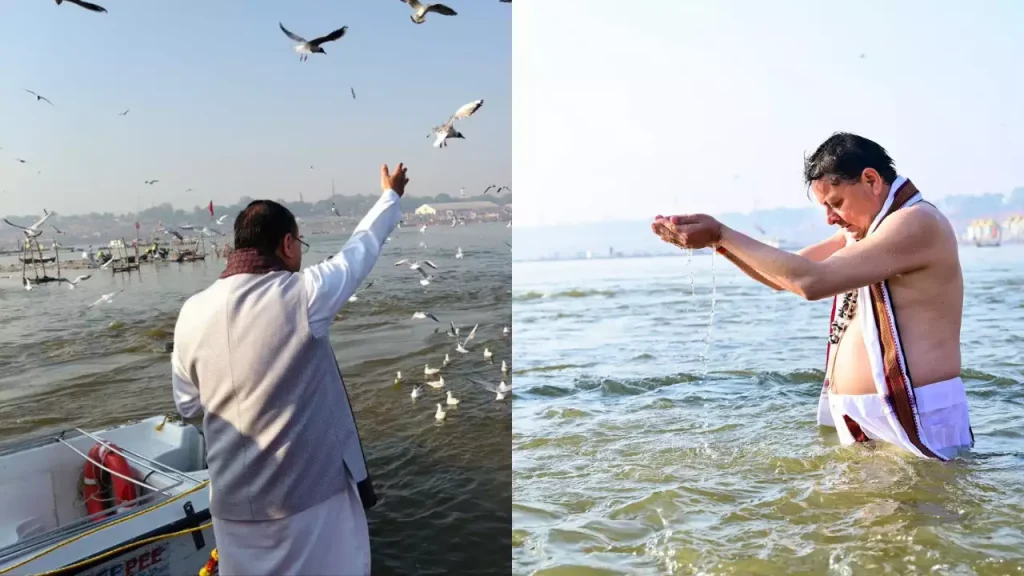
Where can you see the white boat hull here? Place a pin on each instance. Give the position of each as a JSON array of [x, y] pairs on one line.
[[45, 527]]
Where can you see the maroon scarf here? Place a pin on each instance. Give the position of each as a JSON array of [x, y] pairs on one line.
[[250, 261]]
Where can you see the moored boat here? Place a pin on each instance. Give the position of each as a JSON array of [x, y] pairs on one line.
[[984, 232], [126, 501]]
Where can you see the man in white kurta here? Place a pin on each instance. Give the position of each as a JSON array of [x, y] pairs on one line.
[[251, 355]]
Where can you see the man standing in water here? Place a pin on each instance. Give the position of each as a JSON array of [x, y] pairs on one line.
[[288, 479], [895, 257]]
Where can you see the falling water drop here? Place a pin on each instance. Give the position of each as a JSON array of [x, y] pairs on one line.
[[711, 316], [693, 290]]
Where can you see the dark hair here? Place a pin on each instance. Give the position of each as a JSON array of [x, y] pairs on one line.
[[844, 156], [263, 224]]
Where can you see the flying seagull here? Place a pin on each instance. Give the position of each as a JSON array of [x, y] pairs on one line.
[[20, 160], [426, 277], [307, 47], [73, 283], [150, 182], [38, 97], [32, 231], [108, 298], [447, 130], [125, 113], [353, 93], [488, 189], [422, 315], [355, 296], [419, 10], [84, 4]]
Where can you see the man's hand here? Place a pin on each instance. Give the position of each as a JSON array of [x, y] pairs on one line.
[[688, 231], [396, 181]]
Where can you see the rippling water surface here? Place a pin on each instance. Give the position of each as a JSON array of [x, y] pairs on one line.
[[445, 488], [629, 459]]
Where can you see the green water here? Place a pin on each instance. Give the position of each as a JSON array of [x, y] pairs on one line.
[[628, 460]]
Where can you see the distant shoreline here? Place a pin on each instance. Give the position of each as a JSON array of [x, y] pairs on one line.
[[701, 252]]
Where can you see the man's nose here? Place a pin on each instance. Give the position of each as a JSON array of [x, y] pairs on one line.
[[831, 217]]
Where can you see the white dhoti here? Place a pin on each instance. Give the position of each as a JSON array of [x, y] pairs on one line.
[[328, 539], [932, 421], [942, 410]]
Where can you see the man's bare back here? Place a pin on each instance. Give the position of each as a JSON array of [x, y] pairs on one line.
[[928, 305]]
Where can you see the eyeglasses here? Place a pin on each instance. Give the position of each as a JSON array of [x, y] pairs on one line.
[[305, 247]]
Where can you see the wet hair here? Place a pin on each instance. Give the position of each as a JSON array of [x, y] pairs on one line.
[[843, 158], [263, 224]]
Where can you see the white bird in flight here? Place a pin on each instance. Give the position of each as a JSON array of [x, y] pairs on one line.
[[447, 130], [307, 47], [425, 281], [355, 296], [419, 10], [33, 231], [461, 346], [423, 315], [415, 265], [73, 283], [499, 391], [108, 298], [222, 219]]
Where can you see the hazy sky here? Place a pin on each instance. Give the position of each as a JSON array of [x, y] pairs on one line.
[[630, 110], [221, 104]]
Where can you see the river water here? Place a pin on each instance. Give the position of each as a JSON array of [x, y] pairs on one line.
[[444, 488], [628, 459]]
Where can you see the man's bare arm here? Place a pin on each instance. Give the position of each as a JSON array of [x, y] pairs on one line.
[[815, 252], [824, 249], [750, 272], [905, 242]]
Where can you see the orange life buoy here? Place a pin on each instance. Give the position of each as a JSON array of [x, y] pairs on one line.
[[97, 482]]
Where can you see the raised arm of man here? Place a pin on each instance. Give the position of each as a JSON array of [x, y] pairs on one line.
[[904, 242], [815, 252], [332, 282]]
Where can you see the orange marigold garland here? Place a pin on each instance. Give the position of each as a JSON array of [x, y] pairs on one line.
[[210, 569]]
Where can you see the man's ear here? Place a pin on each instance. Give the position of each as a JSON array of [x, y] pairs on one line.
[[871, 177]]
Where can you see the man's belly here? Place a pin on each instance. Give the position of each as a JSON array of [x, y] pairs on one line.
[[851, 372]]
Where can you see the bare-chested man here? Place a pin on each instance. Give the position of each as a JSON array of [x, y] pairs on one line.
[[895, 258]]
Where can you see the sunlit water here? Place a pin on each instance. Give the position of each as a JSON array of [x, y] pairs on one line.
[[444, 488], [627, 460]]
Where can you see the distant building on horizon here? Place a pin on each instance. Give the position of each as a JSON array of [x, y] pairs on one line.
[[460, 210]]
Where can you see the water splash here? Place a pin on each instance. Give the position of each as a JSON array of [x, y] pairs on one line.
[[711, 317], [693, 289]]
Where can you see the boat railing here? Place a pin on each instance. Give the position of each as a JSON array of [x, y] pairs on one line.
[[150, 496]]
